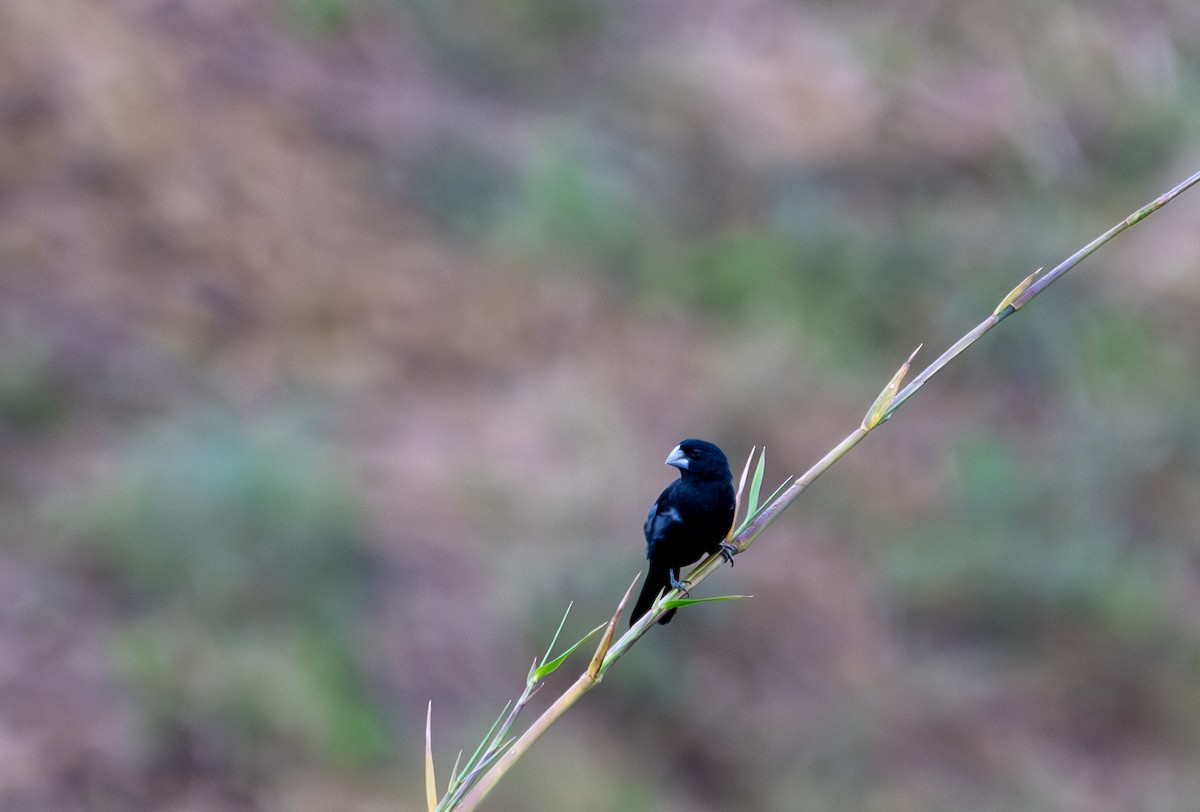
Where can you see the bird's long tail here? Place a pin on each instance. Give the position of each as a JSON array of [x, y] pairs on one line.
[[657, 580]]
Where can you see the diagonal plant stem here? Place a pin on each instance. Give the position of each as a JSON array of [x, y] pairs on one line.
[[1024, 293], [1018, 298], [589, 679], [891, 399]]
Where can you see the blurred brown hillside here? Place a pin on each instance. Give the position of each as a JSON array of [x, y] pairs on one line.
[[341, 342]]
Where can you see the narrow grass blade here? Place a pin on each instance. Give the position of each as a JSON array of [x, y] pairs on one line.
[[557, 632], [756, 482], [454, 772], [766, 504], [676, 603], [473, 760], [430, 781], [497, 752], [741, 488], [546, 669]]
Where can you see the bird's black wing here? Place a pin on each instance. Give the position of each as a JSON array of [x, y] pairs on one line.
[[663, 518]]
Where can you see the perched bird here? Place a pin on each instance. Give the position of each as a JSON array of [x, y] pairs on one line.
[[690, 520]]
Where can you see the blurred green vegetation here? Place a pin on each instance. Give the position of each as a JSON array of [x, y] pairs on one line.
[[34, 393], [322, 17], [996, 573], [515, 45], [241, 562]]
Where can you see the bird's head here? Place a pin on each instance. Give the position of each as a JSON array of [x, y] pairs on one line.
[[698, 458]]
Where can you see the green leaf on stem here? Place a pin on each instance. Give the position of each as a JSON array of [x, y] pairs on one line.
[[474, 759], [766, 504], [557, 632], [756, 482], [676, 603], [741, 489], [454, 772], [546, 669], [497, 751]]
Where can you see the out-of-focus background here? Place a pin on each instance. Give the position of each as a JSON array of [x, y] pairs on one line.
[[341, 343]]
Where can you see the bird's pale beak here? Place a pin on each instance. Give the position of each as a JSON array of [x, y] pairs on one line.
[[678, 459]]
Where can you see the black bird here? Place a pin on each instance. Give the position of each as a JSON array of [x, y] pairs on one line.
[[690, 520]]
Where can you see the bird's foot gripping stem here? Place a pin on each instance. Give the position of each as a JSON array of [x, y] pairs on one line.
[[682, 586], [727, 551]]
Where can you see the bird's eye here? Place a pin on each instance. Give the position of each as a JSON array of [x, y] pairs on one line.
[[693, 453]]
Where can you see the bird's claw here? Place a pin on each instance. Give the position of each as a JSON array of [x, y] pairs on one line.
[[727, 551], [682, 586]]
